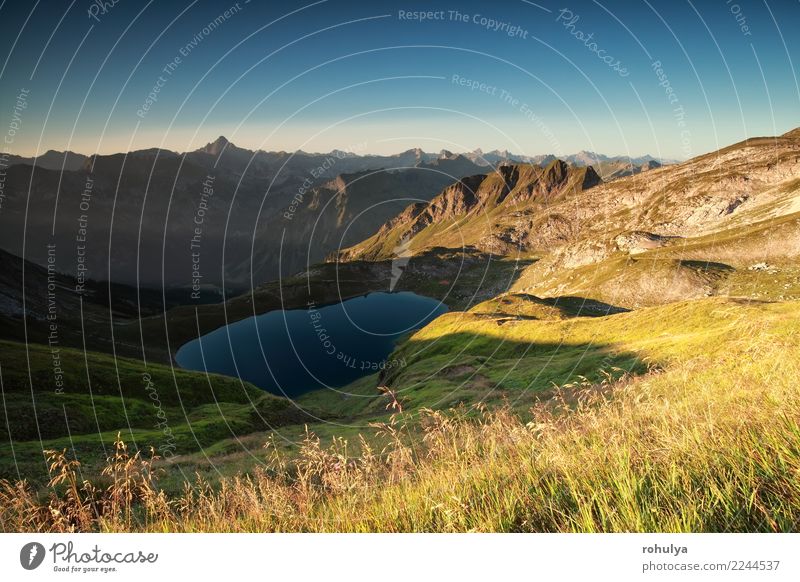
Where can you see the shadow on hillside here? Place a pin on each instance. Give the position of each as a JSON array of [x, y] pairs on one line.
[[466, 367], [582, 306], [706, 266], [527, 306]]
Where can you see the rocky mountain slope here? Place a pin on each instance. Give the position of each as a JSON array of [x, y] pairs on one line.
[[706, 226], [740, 184], [461, 214]]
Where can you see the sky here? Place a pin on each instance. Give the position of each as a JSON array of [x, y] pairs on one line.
[[671, 79]]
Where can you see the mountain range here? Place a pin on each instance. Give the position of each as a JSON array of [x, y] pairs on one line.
[[138, 211], [71, 161]]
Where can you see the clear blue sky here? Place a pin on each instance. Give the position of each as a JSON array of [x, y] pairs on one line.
[[357, 75]]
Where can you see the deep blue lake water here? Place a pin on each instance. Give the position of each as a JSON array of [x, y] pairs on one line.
[[290, 352]]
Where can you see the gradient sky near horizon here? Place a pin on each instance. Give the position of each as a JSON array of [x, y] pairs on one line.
[[359, 76]]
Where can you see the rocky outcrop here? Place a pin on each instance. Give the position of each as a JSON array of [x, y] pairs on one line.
[[639, 241], [523, 191], [794, 134]]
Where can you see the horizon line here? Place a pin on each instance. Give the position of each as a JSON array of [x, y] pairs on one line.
[[355, 154]]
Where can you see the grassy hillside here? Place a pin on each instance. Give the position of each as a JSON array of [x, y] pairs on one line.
[[84, 399], [706, 439]]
